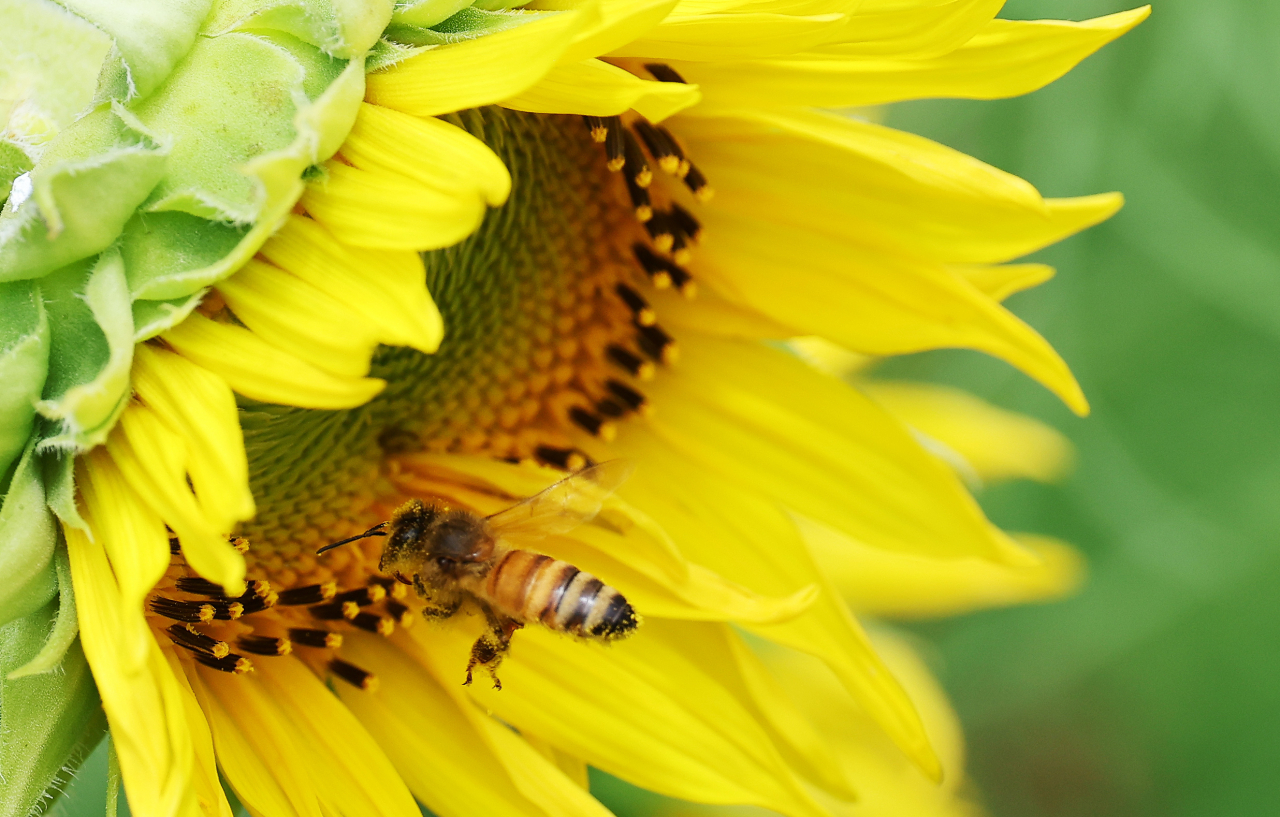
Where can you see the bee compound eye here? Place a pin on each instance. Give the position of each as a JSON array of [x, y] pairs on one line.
[[444, 562]]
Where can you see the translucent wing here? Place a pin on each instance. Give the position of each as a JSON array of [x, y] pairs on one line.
[[566, 504]]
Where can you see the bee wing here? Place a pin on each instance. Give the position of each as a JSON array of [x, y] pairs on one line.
[[566, 504]]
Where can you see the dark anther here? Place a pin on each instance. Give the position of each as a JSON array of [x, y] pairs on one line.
[[353, 675], [264, 645], [608, 407], [175, 547], [697, 184], [189, 611], [320, 639], [310, 594], [614, 147], [656, 343], [227, 610], [200, 587], [228, 663], [374, 623], [400, 612], [634, 399], [685, 221], [363, 596], [567, 459], [588, 422], [630, 362], [599, 130], [639, 307], [639, 199], [636, 165], [661, 271], [661, 144], [184, 635], [663, 72], [660, 231], [239, 544], [335, 611]]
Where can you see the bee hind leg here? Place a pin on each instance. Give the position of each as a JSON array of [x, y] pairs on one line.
[[492, 647]]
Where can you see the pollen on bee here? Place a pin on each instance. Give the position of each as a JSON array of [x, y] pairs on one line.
[[359, 678]]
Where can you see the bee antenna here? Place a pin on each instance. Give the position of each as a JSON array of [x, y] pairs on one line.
[[374, 531]]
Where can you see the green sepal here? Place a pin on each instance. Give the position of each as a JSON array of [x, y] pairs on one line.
[[66, 626], [24, 364], [48, 722], [342, 28], [14, 161], [151, 36], [388, 52], [424, 14], [91, 323], [467, 24], [87, 184], [150, 318], [50, 60], [28, 537], [59, 469]]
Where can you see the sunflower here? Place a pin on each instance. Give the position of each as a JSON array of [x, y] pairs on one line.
[[219, 355]]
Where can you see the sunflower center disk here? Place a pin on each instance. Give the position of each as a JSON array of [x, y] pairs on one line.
[[549, 336]]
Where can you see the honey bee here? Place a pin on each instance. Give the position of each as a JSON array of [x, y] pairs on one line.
[[451, 554]]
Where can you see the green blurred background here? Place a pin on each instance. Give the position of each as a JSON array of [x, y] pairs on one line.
[[1153, 692]]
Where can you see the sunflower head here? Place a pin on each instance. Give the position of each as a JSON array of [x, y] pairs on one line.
[[425, 279]]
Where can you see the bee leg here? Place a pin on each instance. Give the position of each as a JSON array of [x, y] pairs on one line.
[[491, 648]]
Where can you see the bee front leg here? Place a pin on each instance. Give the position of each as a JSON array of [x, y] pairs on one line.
[[437, 604], [492, 647]]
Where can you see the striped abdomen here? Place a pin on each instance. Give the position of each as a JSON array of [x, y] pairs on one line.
[[531, 587]]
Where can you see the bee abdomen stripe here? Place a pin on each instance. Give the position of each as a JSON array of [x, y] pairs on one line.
[[578, 602], [617, 620]]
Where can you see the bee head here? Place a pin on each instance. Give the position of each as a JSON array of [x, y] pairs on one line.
[[458, 538], [407, 537]]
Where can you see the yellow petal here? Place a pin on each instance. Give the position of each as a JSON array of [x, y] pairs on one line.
[[887, 785], [878, 187], [300, 319], [204, 780], [258, 750], [432, 151], [385, 210], [596, 88], [896, 585], [620, 22], [143, 702], [433, 745], [996, 444], [871, 302], [1000, 281], [476, 72], [911, 31], [153, 459], [133, 536], [1007, 58], [744, 536], [680, 732], [732, 36], [764, 421], [199, 405], [259, 370], [350, 771], [382, 285]]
